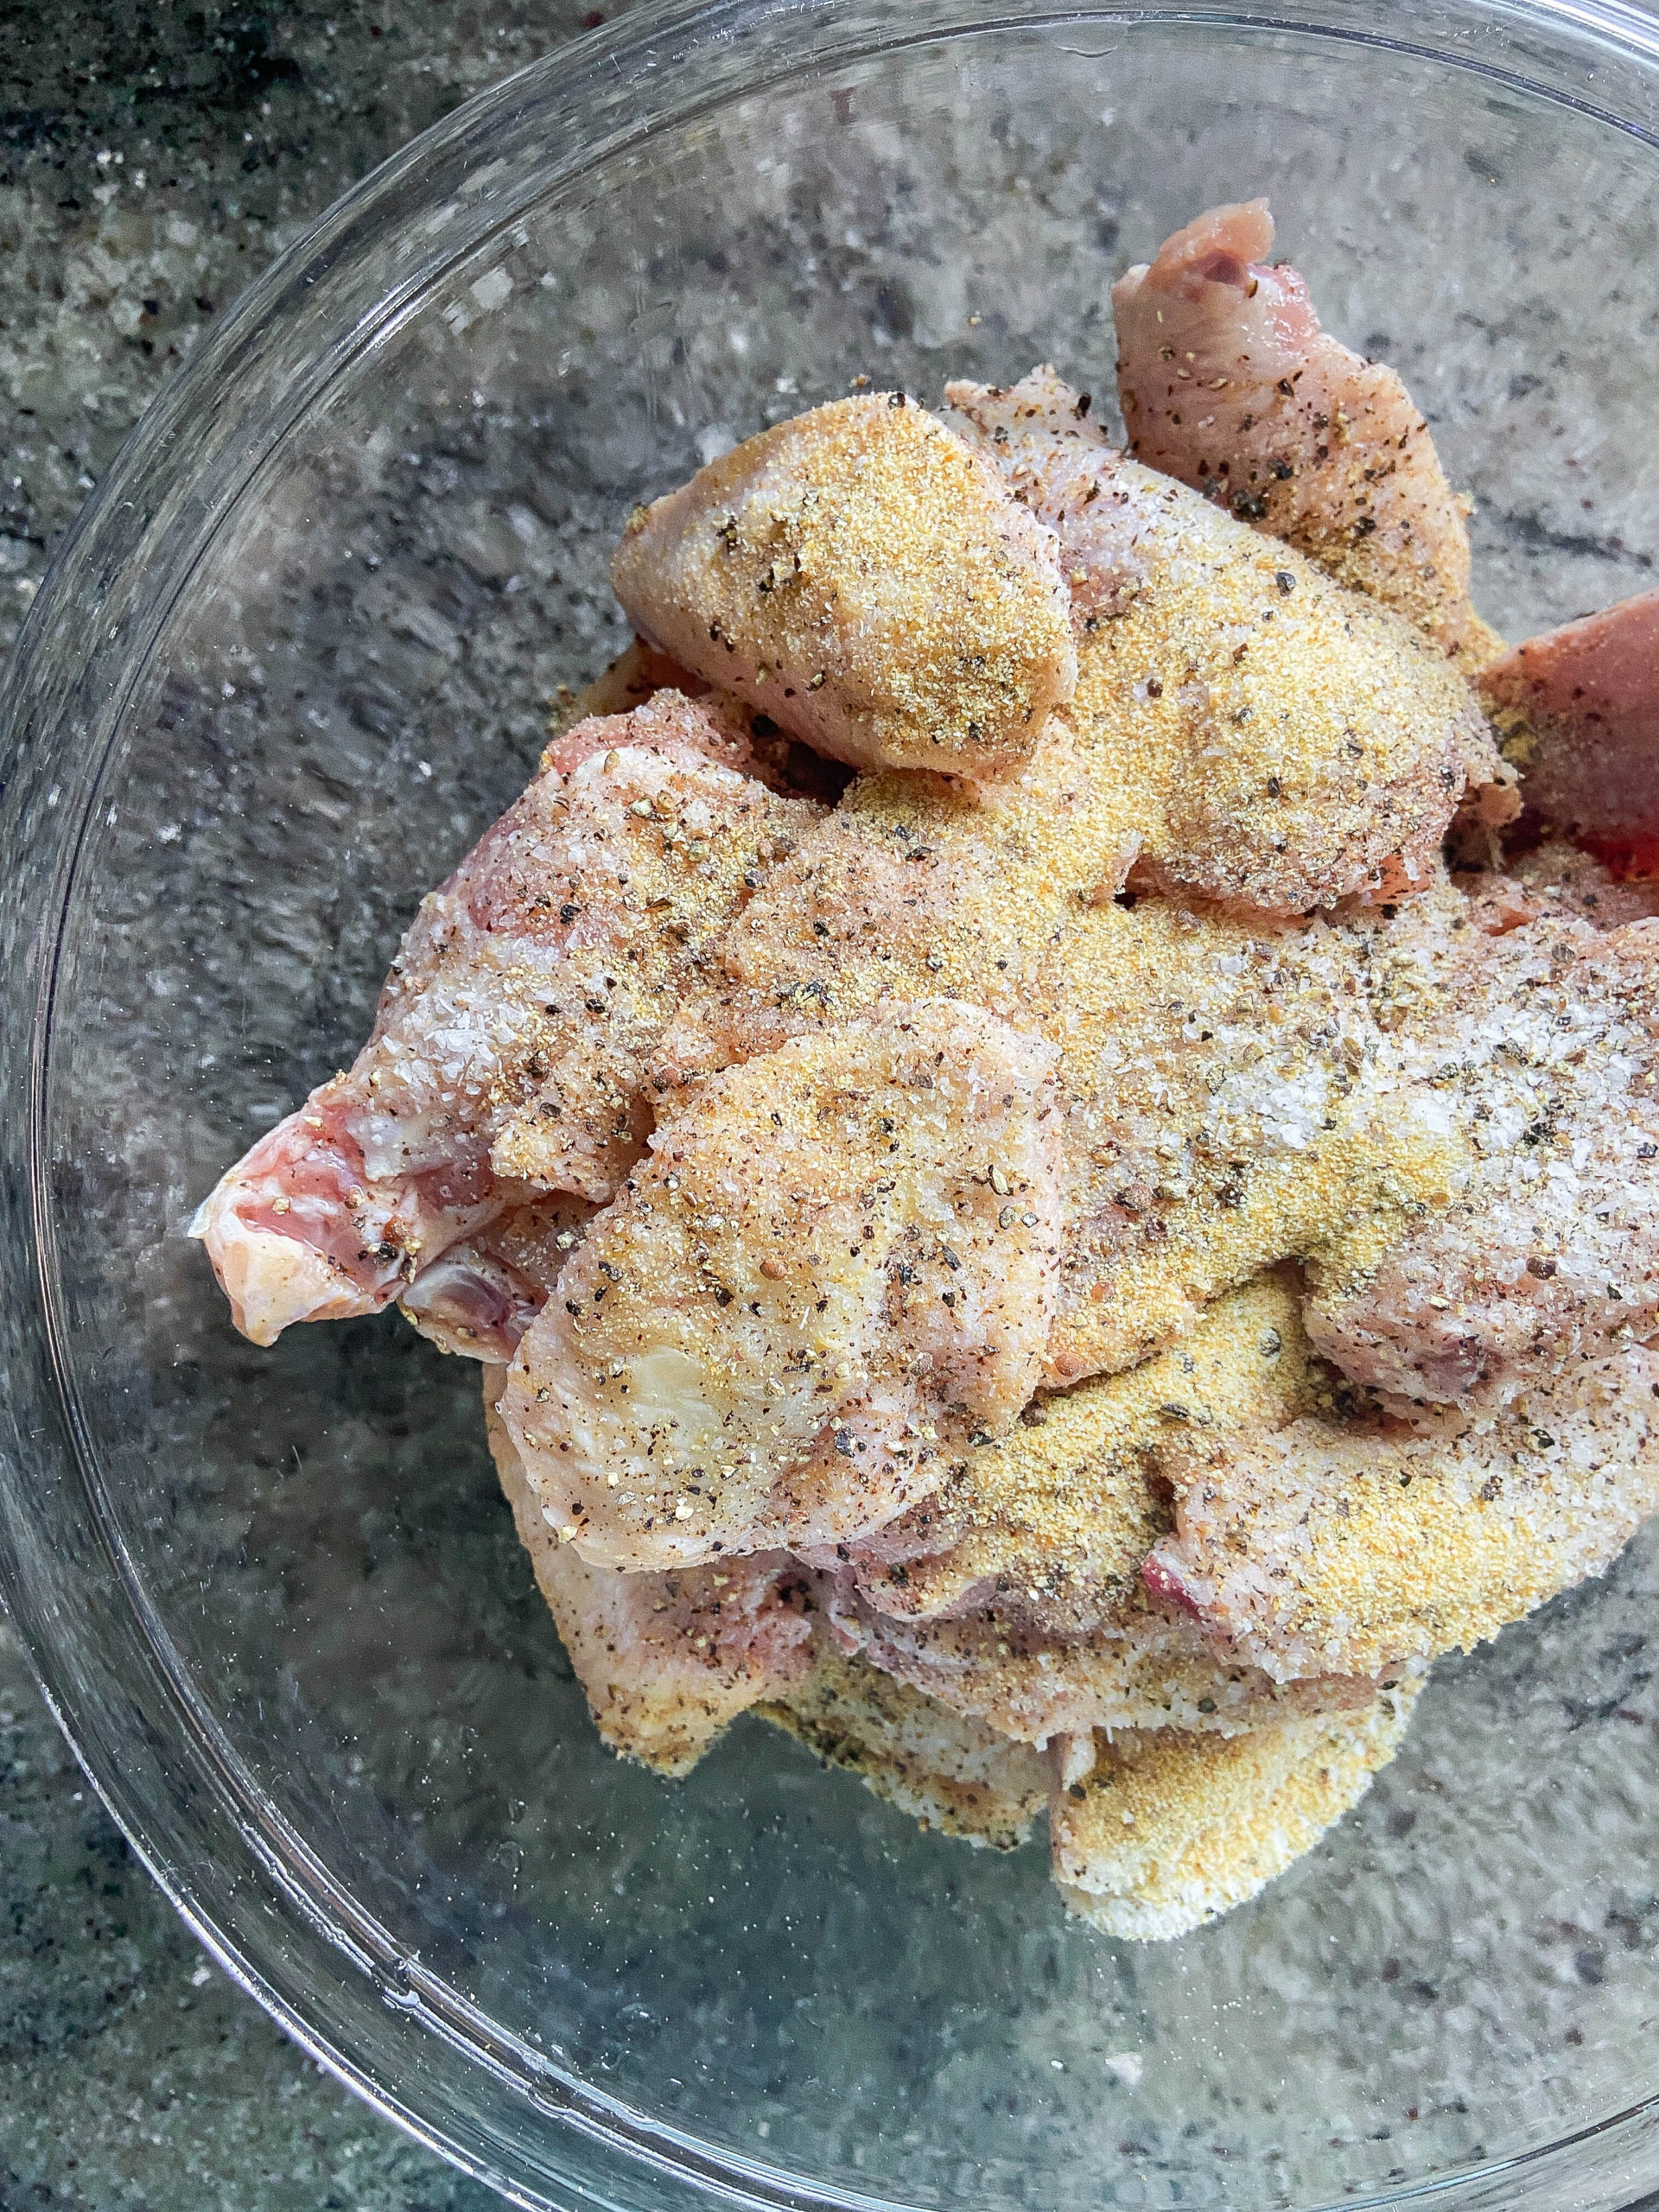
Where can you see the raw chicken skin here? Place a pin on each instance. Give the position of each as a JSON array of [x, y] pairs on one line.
[[1280, 744], [299, 1229], [839, 1258], [1579, 708], [913, 886], [480, 1296], [1557, 879], [666, 1660], [750, 743], [863, 578], [506, 1051], [1549, 1253], [1227, 381], [1335, 1548], [1013, 1595]]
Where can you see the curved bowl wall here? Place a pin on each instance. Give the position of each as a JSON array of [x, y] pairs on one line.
[[299, 653]]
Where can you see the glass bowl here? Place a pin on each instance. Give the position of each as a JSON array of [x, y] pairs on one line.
[[301, 650]]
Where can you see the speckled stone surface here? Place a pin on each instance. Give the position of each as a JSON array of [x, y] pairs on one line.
[[133, 2076], [153, 159]]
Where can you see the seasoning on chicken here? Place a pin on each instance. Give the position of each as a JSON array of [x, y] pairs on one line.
[[1546, 1038], [480, 1296], [1148, 1667], [1353, 1548], [1048, 1525], [1227, 1097], [1014, 1594], [1227, 383], [913, 886], [1579, 708], [1277, 744], [1159, 1834], [863, 577], [947, 1772], [838, 1260], [667, 1661], [506, 1051]]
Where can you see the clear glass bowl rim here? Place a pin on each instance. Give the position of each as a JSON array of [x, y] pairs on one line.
[[298, 328]]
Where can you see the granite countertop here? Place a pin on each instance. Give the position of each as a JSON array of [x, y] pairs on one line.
[[153, 159]]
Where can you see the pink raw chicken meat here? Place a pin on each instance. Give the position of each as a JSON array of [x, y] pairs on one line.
[[1580, 707], [480, 1296], [506, 1053], [1227, 382]]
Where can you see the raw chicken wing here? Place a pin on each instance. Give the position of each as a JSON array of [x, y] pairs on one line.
[[838, 1260], [1354, 1550], [667, 1661], [1279, 743], [865, 579], [1227, 382], [1549, 1253], [506, 1050]]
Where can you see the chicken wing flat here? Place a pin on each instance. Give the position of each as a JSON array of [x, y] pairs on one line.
[[1549, 1253], [507, 1049], [863, 577], [1328, 1547], [839, 1253], [1227, 383], [1280, 743], [667, 1661], [1161, 1832]]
